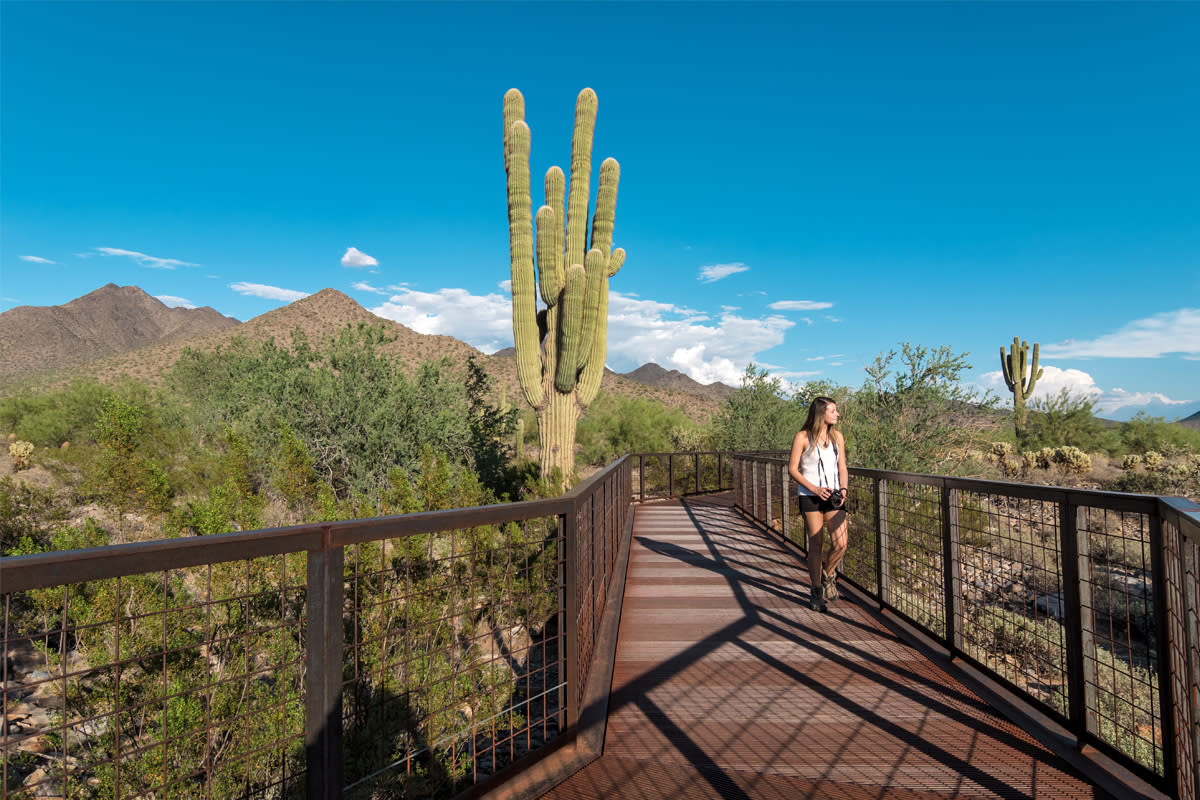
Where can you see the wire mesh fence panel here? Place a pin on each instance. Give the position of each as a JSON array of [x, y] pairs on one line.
[[861, 562], [1182, 558], [913, 559], [710, 467], [1011, 601], [1120, 654], [452, 650], [655, 478], [182, 683]]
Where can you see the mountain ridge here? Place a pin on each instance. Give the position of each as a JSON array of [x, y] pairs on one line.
[[317, 316]]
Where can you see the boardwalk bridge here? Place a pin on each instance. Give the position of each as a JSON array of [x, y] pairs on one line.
[[646, 635]]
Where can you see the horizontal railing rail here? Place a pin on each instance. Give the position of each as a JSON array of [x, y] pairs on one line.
[[1085, 603], [414, 655]]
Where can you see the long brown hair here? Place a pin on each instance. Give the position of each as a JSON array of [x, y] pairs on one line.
[[816, 413]]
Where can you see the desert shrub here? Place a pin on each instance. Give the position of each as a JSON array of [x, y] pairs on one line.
[[1145, 432], [1152, 459], [50, 418], [348, 402], [614, 425], [122, 474], [1066, 420], [1138, 483], [1131, 461], [757, 416], [28, 517], [910, 417]]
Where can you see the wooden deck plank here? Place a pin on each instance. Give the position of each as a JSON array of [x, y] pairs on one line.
[[727, 685]]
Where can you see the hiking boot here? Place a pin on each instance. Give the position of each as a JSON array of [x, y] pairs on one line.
[[816, 600], [829, 585]]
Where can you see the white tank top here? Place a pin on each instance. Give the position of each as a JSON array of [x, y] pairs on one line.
[[820, 466]]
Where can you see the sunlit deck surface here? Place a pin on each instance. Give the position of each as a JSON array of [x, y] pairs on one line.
[[726, 685]]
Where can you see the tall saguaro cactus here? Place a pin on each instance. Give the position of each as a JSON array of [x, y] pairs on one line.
[[561, 349], [1019, 379]]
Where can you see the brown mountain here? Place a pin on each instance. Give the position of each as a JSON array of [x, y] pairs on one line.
[[318, 316], [111, 320], [1191, 422], [654, 375]]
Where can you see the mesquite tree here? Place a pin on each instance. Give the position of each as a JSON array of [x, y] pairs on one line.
[[560, 349]]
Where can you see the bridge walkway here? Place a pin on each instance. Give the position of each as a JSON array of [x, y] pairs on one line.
[[726, 685]]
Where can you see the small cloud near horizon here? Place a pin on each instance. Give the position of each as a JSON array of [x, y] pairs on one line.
[[357, 259], [715, 272], [37, 259], [267, 292], [1153, 337], [799, 305], [363, 286], [170, 301], [153, 262]]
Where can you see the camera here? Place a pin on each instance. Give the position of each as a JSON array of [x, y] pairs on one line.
[[837, 497]]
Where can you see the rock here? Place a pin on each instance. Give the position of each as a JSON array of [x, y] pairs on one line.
[[1052, 605]]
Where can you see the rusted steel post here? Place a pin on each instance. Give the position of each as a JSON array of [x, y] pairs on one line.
[[323, 679], [696, 459], [1166, 686], [670, 475], [1077, 590], [952, 576], [641, 477]]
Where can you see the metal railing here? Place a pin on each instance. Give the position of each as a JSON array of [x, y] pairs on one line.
[[401, 656], [1084, 603], [664, 475]]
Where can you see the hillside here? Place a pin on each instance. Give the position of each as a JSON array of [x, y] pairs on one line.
[[107, 322], [318, 315]]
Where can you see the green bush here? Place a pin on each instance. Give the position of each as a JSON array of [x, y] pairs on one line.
[[1067, 420], [614, 425]]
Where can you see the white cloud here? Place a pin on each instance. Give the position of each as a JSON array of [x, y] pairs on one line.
[[484, 322], [171, 301], [1168, 332], [353, 257], [268, 292], [154, 262], [1119, 398], [363, 286], [715, 272], [799, 305], [640, 331], [37, 259], [1053, 381], [1081, 384], [506, 285]]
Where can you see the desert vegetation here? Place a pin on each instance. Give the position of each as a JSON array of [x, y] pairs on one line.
[[251, 435]]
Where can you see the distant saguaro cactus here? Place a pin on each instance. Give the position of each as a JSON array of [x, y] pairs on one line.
[[1019, 379], [560, 350]]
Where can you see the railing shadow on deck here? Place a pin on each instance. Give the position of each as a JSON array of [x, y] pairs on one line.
[[1083, 604], [450, 652]]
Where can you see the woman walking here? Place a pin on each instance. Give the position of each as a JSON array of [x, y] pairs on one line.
[[818, 464]]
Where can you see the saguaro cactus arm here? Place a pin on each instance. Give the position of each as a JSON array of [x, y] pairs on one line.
[[1020, 382]]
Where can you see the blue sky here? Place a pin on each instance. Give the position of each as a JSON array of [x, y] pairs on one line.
[[803, 185]]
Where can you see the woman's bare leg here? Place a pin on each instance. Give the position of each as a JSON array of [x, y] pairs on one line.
[[815, 522], [838, 538]]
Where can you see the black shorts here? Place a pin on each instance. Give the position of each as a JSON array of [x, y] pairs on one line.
[[810, 503]]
